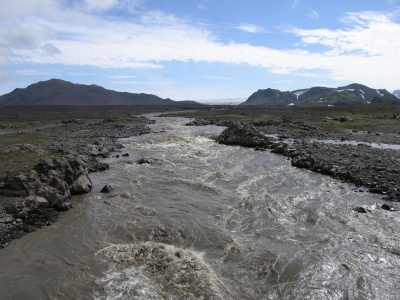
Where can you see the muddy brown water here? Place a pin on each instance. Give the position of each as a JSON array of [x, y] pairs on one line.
[[208, 221]]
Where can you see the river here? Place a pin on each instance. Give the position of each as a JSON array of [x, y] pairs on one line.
[[208, 221]]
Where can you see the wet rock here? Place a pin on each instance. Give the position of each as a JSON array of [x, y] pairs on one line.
[[199, 122], [95, 166], [304, 161], [389, 207], [28, 204], [54, 179], [245, 135], [20, 185], [81, 185], [71, 169], [107, 189], [144, 161], [365, 208]]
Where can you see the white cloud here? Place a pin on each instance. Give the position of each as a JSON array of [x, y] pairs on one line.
[[251, 28], [122, 76], [100, 4], [368, 33], [295, 3], [313, 14], [367, 50], [202, 5]]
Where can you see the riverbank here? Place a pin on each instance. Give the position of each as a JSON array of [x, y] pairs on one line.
[[47, 154], [355, 145]]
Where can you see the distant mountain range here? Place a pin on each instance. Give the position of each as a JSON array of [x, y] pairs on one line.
[[60, 92], [352, 94]]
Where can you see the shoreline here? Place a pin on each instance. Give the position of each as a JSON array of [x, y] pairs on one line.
[[46, 162], [371, 169]]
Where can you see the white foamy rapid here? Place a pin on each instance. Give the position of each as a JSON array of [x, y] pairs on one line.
[[156, 271]]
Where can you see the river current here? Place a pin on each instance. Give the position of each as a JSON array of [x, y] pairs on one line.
[[208, 221]]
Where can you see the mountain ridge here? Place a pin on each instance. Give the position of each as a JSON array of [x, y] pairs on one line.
[[352, 94], [61, 92]]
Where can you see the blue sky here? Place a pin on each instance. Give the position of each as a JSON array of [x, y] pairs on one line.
[[200, 49]]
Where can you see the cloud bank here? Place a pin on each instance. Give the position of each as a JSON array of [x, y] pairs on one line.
[[80, 33]]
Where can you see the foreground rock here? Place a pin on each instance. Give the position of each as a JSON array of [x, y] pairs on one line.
[[54, 179]]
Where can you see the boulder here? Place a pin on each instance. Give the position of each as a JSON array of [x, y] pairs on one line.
[[70, 169], [20, 185], [107, 189], [54, 179], [303, 161], [199, 122], [81, 185], [96, 166], [389, 207], [144, 161], [28, 204], [243, 134]]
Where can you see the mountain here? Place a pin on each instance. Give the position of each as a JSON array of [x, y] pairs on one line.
[[385, 101], [271, 97], [352, 94], [396, 93], [60, 92]]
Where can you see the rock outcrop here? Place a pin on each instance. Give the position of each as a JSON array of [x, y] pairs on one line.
[[54, 179], [245, 135]]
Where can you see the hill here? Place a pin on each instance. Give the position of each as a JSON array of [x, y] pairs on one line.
[[60, 92], [352, 94], [271, 97]]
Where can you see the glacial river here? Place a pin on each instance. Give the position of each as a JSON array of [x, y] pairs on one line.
[[208, 221]]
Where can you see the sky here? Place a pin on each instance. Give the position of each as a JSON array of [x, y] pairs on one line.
[[200, 49]]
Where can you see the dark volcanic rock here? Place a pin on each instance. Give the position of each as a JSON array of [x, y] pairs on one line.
[[245, 135], [144, 161], [95, 166], [389, 207], [70, 169], [54, 179], [107, 189], [200, 122]]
